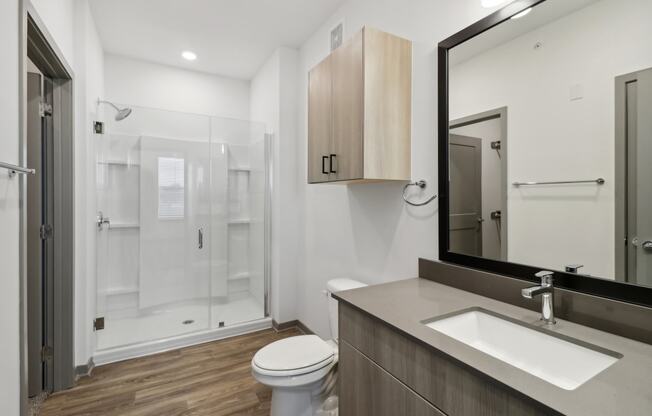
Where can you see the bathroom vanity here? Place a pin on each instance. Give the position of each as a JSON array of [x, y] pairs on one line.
[[542, 301], [392, 363]]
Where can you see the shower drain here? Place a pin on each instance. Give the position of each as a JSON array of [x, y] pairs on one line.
[[188, 321]]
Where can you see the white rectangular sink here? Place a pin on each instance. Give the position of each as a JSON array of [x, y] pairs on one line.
[[551, 357]]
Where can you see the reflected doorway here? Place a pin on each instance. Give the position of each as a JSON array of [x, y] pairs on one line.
[[488, 215], [633, 172]]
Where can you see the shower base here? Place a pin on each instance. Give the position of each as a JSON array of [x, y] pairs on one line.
[[176, 326]]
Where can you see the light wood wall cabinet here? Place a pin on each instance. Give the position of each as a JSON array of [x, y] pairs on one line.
[[359, 111]]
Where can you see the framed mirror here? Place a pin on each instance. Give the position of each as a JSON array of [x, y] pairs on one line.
[[545, 145]]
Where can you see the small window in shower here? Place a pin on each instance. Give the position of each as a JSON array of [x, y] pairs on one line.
[[171, 188]]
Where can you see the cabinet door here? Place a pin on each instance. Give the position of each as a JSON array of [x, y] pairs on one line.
[[346, 158], [319, 121], [368, 390]]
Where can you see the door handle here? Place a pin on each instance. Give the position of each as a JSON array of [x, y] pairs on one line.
[[323, 165], [331, 162], [647, 245], [200, 238]]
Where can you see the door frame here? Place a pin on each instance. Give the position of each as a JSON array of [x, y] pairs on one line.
[[38, 44], [500, 113], [621, 191], [621, 152]]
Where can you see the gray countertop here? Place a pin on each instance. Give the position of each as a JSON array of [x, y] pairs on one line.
[[624, 389]]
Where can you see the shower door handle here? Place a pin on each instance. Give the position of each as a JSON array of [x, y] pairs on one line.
[[200, 238]]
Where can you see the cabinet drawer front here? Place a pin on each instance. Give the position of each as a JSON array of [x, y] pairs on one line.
[[451, 386], [368, 390]]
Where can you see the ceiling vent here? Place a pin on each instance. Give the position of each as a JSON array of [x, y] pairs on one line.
[[337, 34]]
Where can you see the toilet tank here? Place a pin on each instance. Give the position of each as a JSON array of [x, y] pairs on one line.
[[337, 285]]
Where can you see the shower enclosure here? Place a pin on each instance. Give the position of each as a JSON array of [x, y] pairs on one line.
[[182, 230]]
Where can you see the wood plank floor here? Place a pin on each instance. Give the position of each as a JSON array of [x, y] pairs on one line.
[[209, 379]]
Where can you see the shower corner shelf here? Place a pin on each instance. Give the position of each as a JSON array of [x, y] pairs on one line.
[[122, 163], [239, 276], [240, 169], [235, 221], [123, 225], [120, 291]]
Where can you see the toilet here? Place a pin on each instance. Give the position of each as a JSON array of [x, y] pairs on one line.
[[301, 370]]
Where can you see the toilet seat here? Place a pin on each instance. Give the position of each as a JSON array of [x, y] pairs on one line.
[[294, 356]]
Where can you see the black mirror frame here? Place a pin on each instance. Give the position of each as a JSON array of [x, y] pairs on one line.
[[625, 292]]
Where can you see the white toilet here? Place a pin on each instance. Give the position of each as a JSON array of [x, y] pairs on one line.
[[301, 370]]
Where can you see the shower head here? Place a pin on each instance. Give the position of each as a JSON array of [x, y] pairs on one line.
[[122, 113]]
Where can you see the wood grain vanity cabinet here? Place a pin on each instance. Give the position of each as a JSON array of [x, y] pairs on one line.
[[359, 111], [384, 372]]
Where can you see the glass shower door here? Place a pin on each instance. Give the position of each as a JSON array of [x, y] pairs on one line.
[[239, 194], [153, 187], [174, 225]]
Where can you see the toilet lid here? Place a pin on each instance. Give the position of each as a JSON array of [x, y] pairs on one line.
[[303, 353]]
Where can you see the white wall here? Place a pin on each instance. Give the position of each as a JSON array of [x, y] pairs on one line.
[[140, 83], [273, 101], [9, 262], [59, 18], [551, 137], [366, 232]]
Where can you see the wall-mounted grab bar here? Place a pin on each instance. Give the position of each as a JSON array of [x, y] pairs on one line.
[[13, 169], [599, 181]]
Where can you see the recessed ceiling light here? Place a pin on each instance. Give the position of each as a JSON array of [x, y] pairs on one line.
[[491, 3], [521, 14], [188, 55]]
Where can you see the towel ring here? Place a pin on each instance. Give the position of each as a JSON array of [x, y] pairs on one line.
[[421, 184]]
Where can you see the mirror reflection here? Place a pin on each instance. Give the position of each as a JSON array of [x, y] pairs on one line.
[[551, 140]]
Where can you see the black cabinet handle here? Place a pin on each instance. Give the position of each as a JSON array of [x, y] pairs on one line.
[[331, 163], [323, 165]]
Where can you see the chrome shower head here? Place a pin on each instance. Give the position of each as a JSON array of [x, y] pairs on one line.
[[122, 113]]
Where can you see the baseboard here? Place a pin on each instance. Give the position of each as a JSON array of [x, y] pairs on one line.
[[292, 324], [304, 328], [84, 370]]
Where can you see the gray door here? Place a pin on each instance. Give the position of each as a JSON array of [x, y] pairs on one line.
[[640, 181], [40, 250], [34, 243], [465, 224], [633, 178]]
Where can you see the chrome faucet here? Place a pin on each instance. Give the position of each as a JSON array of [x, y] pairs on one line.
[[546, 291]]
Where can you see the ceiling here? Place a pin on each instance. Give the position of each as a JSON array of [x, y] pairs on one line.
[[230, 37], [541, 15]]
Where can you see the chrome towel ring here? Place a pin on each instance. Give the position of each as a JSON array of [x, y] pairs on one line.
[[421, 184]]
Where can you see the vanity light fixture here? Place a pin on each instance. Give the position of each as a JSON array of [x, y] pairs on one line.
[[189, 55], [521, 14], [488, 4]]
